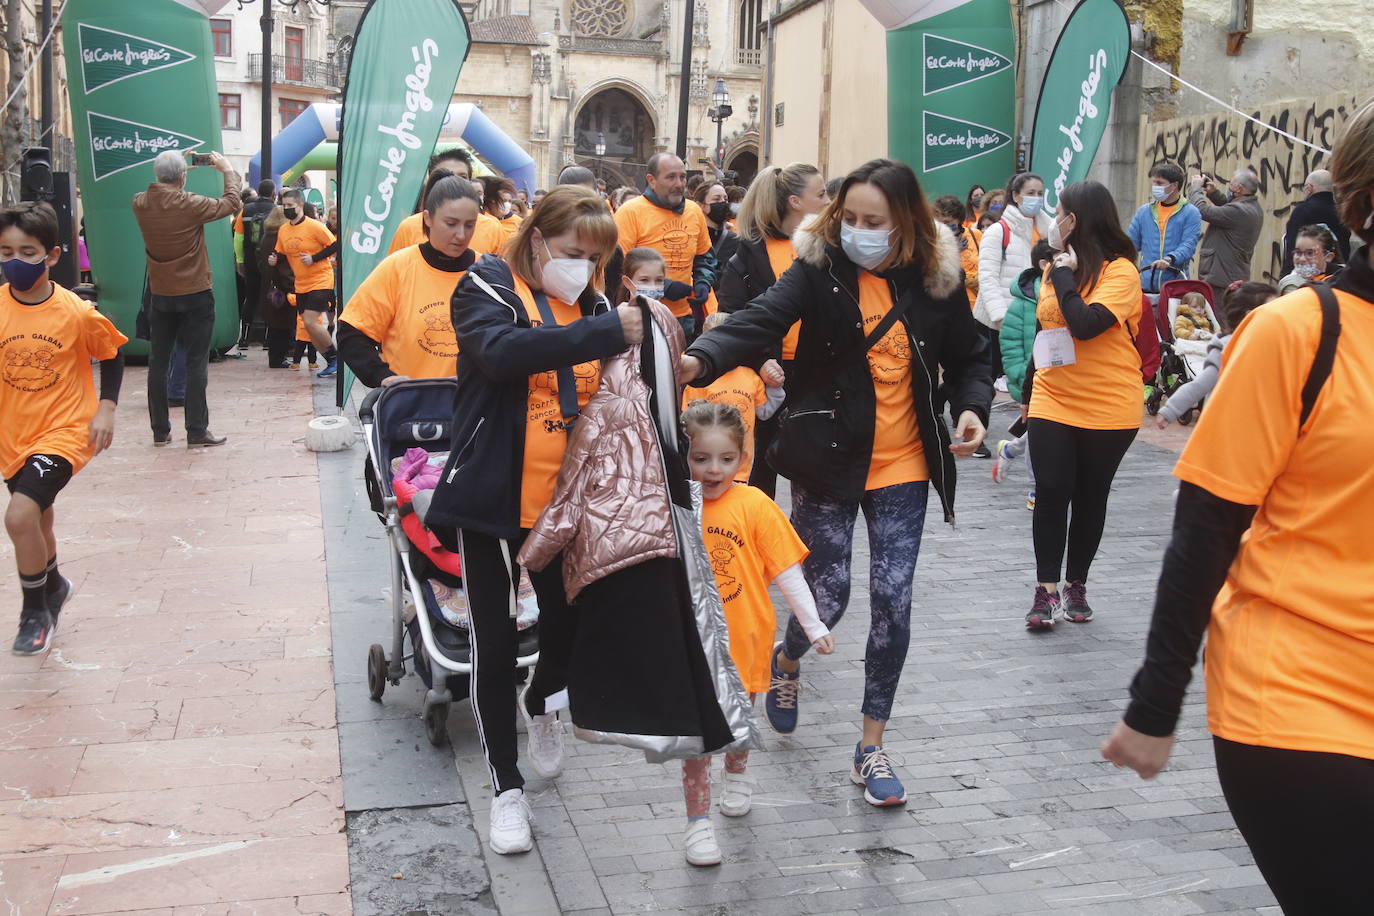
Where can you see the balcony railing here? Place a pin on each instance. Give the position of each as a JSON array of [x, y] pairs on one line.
[[316, 74]]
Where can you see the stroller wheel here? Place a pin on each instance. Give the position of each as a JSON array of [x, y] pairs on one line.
[[1152, 402], [1188, 418], [436, 723], [376, 671]]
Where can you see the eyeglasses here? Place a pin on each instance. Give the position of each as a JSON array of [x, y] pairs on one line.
[[1307, 254]]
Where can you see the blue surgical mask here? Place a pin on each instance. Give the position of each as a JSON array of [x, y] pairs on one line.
[[865, 247], [651, 292], [1031, 205], [24, 275], [1159, 192]]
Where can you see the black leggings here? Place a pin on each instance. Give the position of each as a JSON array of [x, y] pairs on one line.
[[1073, 467], [489, 577], [1307, 818]]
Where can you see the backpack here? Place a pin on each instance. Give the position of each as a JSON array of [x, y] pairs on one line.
[[1146, 340], [252, 226]]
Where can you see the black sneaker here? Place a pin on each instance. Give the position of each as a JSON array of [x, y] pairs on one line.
[[1041, 616], [1075, 605], [58, 596], [35, 633]]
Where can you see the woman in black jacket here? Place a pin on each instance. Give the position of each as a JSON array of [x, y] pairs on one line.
[[879, 293], [530, 333], [779, 199], [715, 204]]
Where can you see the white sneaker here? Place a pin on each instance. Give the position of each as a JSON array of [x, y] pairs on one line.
[[1001, 383], [510, 823], [700, 843], [1002, 466], [544, 746], [736, 794]]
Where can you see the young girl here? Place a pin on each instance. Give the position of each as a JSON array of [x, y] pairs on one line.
[[1241, 300], [1315, 258], [303, 346], [751, 545]]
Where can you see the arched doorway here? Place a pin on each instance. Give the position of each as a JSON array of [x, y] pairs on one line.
[[746, 164], [628, 132]]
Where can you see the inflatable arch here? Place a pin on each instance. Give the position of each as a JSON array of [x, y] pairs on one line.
[[319, 125]]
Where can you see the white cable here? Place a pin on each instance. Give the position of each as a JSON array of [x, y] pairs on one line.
[[1207, 95], [56, 18]]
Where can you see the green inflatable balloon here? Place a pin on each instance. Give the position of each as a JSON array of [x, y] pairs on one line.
[[142, 77]]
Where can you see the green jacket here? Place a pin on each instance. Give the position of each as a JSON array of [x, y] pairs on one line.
[[1018, 332]]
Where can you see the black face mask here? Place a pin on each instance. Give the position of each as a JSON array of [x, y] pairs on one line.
[[291, 212], [719, 211]]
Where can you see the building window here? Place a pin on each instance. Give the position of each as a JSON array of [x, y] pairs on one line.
[[290, 109], [222, 30], [230, 111], [748, 43], [295, 55]]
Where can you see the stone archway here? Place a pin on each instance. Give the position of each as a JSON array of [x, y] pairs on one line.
[[628, 128], [746, 164]]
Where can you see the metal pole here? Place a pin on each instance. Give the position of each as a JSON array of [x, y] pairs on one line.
[[720, 153], [46, 115], [267, 89], [688, 25]]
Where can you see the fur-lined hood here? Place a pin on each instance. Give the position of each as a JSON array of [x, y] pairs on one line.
[[940, 283]]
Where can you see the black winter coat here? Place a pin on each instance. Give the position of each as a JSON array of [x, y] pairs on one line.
[[825, 442], [748, 275], [498, 350]]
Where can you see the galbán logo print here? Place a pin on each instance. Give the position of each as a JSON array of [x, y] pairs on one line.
[[950, 63], [948, 141]]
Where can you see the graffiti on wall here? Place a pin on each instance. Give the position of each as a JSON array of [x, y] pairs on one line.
[[1219, 144]]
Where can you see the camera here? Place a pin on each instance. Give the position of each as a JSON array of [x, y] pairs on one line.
[[200, 159]]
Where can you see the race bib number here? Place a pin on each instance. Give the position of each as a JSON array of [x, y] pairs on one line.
[[1054, 347]]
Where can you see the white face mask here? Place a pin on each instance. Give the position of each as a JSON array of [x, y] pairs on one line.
[[1306, 271], [565, 278], [865, 247], [1056, 238]]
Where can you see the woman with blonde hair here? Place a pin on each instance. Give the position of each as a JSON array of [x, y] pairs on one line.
[[776, 204], [1271, 557], [531, 329], [878, 291]]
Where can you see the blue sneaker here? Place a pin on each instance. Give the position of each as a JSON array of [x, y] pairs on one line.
[[781, 702], [330, 369], [873, 771]]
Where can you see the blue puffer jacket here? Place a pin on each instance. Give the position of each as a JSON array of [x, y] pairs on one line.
[[1018, 331], [1179, 241]]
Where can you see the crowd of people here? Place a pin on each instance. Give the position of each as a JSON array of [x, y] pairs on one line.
[[851, 337]]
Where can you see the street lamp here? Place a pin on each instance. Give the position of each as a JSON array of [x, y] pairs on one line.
[[718, 113], [600, 155]]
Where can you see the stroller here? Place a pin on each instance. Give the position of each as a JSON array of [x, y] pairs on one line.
[[411, 414], [1180, 360]]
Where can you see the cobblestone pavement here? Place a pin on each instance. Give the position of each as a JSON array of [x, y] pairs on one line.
[[1011, 809]]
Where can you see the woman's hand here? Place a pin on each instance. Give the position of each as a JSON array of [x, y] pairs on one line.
[[1066, 258], [689, 369], [102, 426], [970, 435], [1025, 411], [825, 645], [1127, 747], [631, 323], [772, 374]]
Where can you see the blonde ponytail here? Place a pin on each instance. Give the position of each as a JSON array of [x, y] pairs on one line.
[[764, 208]]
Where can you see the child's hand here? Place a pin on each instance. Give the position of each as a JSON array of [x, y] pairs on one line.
[[772, 374], [102, 427], [272, 259], [825, 645], [1162, 421]]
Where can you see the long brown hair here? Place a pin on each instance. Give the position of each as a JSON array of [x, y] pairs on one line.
[[1097, 236], [1352, 172], [911, 215], [567, 208], [765, 205]]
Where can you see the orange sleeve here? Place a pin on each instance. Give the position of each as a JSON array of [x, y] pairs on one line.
[[1118, 289], [238, 223], [1248, 431], [101, 339], [322, 232], [780, 547], [760, 391], [625, 225], [372, 307]]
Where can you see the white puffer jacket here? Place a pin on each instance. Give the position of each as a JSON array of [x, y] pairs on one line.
[[996, 271]]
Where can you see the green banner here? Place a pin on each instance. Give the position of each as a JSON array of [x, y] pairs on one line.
[[405, 64], [951, 90], [147, 75], [1075, 104]]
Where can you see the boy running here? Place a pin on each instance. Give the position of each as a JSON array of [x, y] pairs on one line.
[[53, 423]]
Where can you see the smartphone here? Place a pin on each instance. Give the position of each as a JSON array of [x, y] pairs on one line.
[[1017, 427], [200, 159]]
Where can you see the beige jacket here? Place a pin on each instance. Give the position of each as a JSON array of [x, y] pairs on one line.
[[610, 508], [172, 221]]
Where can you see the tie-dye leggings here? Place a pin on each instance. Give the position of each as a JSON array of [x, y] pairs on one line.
[[896, 518]]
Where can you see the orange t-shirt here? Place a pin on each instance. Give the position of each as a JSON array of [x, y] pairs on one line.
[[679, 237], [301, 333], [308, 237], [1102, 389], [968, 260], [546, 436], [898, 455], [487, 237], [743, 390], [47, 389], [781, 254], [509, 226], [1291, 643], [750, 543], [404, 306]]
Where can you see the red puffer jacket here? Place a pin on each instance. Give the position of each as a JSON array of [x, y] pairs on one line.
[[610, 508]]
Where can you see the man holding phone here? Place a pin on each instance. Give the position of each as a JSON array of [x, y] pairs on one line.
[[182, 302], [1234, 220]]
